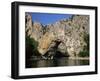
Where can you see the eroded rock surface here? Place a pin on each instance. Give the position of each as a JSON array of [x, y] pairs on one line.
[[70, 33]]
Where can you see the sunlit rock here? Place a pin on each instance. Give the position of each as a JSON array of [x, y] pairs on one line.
[[70, 33]]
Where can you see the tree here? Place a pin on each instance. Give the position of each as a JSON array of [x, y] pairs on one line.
[[85, 52], [31, 46]]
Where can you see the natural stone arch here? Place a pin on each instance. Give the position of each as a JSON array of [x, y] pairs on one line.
[[49, 42]]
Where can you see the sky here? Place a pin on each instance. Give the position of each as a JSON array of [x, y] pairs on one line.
[[48, 18]]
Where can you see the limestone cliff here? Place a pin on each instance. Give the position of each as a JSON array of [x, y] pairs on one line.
[[70, 33], [33, 29]]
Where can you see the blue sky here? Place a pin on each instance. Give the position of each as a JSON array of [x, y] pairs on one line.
[[48, 18]]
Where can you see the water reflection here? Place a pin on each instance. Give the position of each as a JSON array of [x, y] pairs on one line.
[[64, 61]]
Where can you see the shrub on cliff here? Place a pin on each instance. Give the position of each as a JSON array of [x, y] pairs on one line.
[[85, 52], [31, 46]]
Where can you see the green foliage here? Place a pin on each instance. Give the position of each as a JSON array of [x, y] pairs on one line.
[[86, 39], [31, 42], [31, 45], [85, 52]]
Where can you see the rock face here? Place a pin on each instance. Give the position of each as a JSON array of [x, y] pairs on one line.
[[45, 42], [69, 32], [28, 25], [33, 29]]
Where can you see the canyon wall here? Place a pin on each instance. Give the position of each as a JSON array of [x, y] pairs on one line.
[[69, 32]]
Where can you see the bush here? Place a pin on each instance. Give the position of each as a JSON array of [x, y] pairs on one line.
[[31, 46], [84, 54], [31, 42], [86, 39]]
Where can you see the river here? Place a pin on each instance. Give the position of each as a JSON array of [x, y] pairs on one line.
[[64, 61]]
